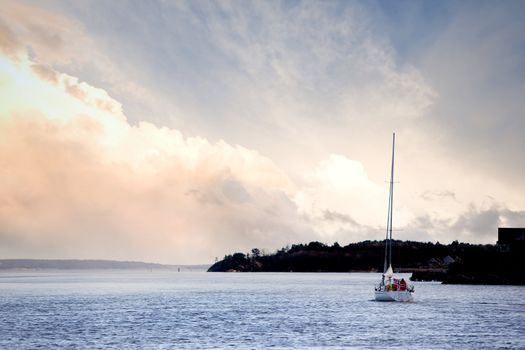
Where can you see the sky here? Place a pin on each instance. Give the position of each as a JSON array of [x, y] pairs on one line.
[[182, 131]]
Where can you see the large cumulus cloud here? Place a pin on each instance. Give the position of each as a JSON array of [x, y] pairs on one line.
[[79, 181]]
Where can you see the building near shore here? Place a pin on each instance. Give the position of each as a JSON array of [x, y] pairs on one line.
[[511, 237]]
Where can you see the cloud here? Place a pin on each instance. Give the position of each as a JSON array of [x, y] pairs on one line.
[[335, 216], [476, 65], [341, 201], [79, 181], [256, 74], [50, 38], [320, 61], [478, 223], [432, 195], [57, 42], [45, 73]]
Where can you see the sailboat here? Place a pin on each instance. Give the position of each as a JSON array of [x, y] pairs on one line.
[[391, 288]]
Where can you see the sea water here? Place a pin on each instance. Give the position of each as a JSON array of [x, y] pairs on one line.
[[199, 310]]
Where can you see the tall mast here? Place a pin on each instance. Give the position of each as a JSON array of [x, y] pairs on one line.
[[388, 238], [385, 265], [391, 204]]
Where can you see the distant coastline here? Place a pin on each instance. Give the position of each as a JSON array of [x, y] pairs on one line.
[[455, 263], [78, 264]]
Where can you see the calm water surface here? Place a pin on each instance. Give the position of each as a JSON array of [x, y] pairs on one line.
[[170, 310]]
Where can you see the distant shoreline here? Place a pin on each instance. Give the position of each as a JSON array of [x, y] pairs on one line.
[[89, 264]]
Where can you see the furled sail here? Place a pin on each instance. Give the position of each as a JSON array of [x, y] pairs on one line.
[[389, 272]]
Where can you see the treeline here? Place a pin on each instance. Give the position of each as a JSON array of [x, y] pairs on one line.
[[452, 263]]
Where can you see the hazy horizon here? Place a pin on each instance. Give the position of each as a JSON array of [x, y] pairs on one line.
[[178, 132]]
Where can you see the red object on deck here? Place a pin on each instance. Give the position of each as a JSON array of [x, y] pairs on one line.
[[402, 285]]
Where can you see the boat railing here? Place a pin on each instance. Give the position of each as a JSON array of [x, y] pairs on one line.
[[390, 288]]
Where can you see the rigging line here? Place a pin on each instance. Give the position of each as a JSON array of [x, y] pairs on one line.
[[392, 194]]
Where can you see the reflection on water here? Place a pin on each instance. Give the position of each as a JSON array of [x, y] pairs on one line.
[[170, 310]]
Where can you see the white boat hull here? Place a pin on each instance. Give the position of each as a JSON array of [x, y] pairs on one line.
[[394, 296]]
